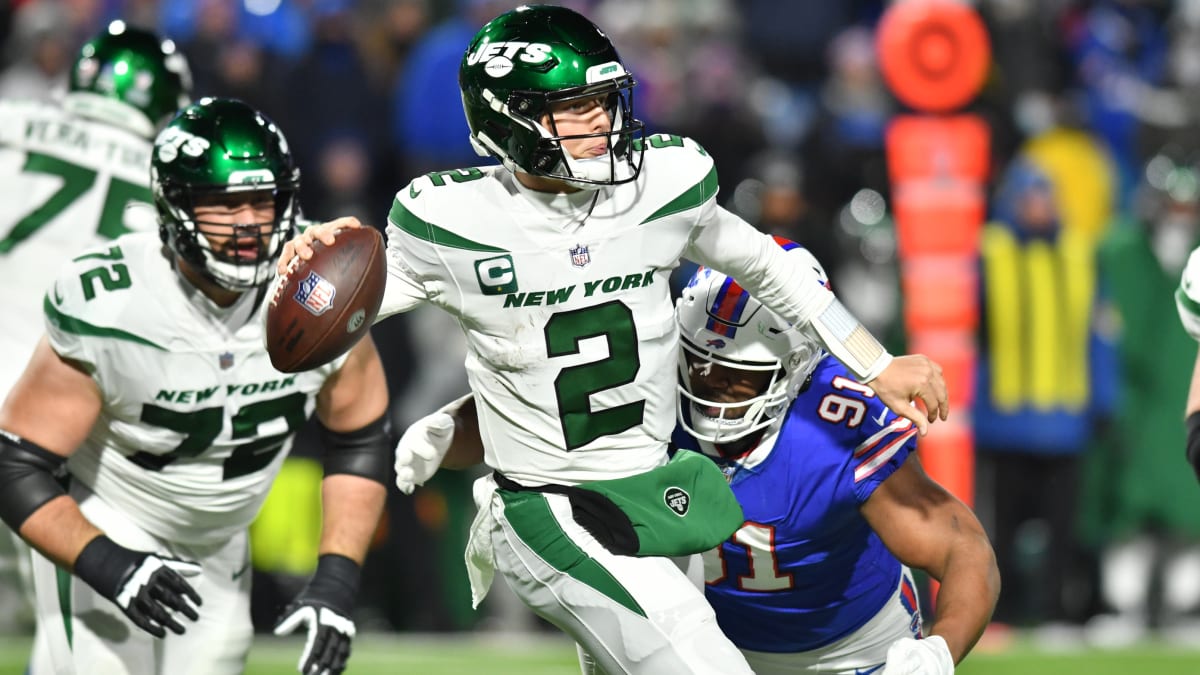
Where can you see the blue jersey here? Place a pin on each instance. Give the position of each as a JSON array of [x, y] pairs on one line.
[[806, 569]]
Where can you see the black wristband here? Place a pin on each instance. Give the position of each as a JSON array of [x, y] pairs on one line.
[[104, 565], [365, 452], [335, 583], [1193, 442]]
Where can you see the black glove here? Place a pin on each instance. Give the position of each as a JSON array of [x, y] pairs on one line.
[[324, 607], [146, 586]]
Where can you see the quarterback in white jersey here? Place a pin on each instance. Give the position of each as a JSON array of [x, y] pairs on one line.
[[153, 399], [70, 170], [556, 266]]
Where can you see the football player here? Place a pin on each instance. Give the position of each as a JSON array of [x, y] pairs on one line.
[[556, 263], [1187, 301], [69, 170], [144, 434], [837, 506]]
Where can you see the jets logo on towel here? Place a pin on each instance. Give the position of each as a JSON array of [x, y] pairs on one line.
[[677, 500]]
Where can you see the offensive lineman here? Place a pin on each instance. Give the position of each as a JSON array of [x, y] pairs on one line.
[[556, 265], [69, 171], [152, 397]]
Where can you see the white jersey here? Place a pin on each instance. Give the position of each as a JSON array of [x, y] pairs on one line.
[[1187, 296], [64, 184], [195, 421], [572, 343]]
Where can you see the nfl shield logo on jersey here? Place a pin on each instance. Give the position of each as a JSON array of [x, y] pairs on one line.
[[226, 360], [315, 294], [580, 256]]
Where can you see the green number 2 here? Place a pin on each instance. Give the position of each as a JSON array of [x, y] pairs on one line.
[[201, 428], [575, 385], [76, 180]]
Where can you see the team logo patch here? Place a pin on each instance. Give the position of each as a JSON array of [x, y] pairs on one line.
[[677, 500], [715, 343], [315, 294], [908, 600], [580, 256], [225, 360]]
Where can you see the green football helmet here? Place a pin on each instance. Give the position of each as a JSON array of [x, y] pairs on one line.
[[220, 146], [526, 60], [129, 78]]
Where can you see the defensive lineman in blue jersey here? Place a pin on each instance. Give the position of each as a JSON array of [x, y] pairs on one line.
[[817, 579]]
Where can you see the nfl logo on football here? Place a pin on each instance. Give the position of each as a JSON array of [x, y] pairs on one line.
[[580, 256], [315, 294]]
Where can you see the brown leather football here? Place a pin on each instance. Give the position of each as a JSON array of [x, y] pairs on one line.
[[326, 304]]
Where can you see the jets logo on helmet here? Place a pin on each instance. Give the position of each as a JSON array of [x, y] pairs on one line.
[[525, 61]]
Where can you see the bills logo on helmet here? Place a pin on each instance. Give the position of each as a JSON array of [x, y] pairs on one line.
[[315, 294], [580, 256], [715, 343]]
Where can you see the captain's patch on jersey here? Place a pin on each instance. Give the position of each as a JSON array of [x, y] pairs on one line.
[[496, 276], [677, 500], [315, 294]]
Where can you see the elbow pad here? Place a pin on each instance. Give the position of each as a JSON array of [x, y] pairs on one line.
[[365, 452], [850, 342], [1193, 442], [29, 477]]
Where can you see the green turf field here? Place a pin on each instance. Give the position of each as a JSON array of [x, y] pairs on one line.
[[439, 655]]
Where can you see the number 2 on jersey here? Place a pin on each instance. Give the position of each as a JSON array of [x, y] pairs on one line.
[[575, 385], [76, 180]]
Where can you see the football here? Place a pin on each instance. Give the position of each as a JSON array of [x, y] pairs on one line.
[[324, 305]]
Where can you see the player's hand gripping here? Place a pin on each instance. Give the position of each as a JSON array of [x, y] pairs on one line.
[[324, 608], [423, 446], [929, 656], [913, 378], [300, 246], [149, 588]]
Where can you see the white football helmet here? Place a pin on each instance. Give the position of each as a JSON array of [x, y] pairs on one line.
[[719, 323]]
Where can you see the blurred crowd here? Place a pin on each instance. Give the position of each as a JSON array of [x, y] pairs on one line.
[[1094, 205]]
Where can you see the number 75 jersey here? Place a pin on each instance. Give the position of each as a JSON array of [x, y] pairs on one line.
[[195, 421], [64, 186]]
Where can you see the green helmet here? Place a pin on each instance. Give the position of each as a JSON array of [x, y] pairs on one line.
[[130, 78], [523, 61], [221, 146]]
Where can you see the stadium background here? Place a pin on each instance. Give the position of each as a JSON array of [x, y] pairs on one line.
[[788, 98]]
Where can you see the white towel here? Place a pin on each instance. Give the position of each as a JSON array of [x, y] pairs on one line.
[[479, 556]]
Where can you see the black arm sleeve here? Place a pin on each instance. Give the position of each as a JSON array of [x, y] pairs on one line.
[[1193, 442], [365, 452], [29, 477]]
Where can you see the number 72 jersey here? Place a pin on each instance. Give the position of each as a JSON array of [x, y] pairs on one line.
[[64, 186], [195, 421]]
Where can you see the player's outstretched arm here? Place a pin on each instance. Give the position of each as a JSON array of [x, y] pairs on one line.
[[929, 529], [45, 418], [301, 244], [352, 409]]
